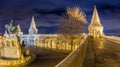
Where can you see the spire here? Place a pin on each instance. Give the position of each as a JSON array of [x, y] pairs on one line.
[[95, 18], [33, 29], [33, 22]]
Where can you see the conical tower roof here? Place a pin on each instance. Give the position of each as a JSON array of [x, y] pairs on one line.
[[33, 29], [95, 18], [33, 23]]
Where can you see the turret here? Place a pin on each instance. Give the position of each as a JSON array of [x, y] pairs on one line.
[[95, 28], [33, 29]]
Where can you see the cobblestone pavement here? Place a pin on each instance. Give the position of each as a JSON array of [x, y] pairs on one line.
[[46, 57], [102, 53]]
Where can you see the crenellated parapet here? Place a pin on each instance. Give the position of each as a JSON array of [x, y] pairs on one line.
[[20, 62], [10, 41]]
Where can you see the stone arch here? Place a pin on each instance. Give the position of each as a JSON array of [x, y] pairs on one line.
[[53, 44], [96, 33]]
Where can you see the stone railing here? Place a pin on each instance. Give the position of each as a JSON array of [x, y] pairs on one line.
[[64, 46], [75, 58], [19, 62], [113, 39]]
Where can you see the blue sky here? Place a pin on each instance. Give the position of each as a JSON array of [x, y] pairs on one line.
[[48, 13]]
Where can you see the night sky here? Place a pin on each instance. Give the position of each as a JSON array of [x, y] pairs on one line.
[[47, 13]]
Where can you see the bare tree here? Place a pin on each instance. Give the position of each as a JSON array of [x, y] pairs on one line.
[[71, 25]]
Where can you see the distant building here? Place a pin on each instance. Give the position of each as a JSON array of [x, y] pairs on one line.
[[95, 28]]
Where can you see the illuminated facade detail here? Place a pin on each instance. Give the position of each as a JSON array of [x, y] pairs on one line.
[[33, 29], [10, 48], [19, 30], [95, 28], [40, 40], [13, 53]]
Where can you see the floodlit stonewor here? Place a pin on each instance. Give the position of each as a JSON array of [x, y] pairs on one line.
[[19, 30], [13, 52], [95, 28], [69, 47]]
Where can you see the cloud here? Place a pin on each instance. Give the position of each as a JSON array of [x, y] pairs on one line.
[[57, 11], [48, 12], [47, 20]]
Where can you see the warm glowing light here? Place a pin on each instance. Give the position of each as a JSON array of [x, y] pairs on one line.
[[101, 45]]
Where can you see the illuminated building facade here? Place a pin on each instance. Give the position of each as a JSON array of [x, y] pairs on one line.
[[95, 28]]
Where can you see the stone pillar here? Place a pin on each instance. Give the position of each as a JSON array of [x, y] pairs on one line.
[[34, 42]]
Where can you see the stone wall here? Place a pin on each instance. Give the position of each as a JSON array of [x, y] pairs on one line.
[[75, 58], [52, 42], [19, 62], [113, 39], [49, 41]]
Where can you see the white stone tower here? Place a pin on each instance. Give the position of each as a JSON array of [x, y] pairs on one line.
[[33, 29], [95, 28]]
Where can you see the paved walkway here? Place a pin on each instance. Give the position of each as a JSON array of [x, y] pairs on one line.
[[46, 57], [102, 53]]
